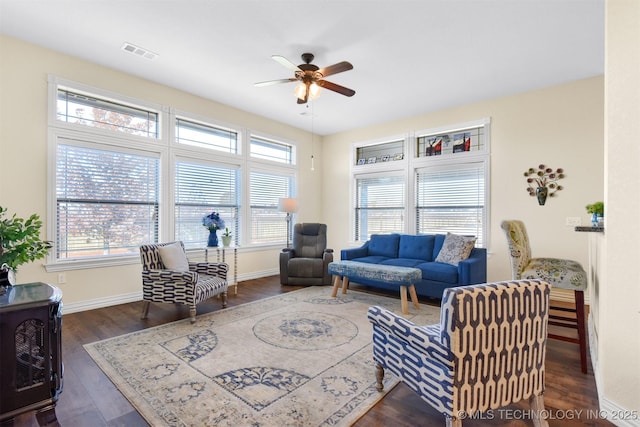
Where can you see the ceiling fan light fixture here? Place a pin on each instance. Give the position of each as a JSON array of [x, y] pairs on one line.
[[300, 90], [314, 90]]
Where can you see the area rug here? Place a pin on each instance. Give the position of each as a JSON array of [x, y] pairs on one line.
[[297, 359]]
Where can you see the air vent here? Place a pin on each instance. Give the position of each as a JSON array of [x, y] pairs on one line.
[[138, 51]]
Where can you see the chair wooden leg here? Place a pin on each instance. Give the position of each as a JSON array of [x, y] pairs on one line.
[[224, 300], [192, 313], [145, 309], [537, 407], [582, 334], [453, 422], [379, 376]]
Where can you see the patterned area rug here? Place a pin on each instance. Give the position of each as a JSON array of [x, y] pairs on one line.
[[296, 359]]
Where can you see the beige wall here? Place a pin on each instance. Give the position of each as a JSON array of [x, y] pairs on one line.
[[23, 150], [618, 374], [560, 126]]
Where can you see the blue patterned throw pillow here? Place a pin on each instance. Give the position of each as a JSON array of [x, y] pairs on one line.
[[455, 248]]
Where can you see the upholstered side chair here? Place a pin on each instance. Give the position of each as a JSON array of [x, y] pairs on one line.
[[168, 276], [488, 351], [307, 261], [560, 273]]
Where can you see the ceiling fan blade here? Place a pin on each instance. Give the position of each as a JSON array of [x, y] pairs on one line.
[[284, 61], [274, 82], [336, 88], [336, 68]]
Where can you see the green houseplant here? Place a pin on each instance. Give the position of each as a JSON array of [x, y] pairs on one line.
[[20, 241], [597, 212], [226, 237]]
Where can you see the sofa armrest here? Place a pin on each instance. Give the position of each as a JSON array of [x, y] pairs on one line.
[[327, 257], [351, 253], [217, 269], [473, 270], [285, 256]]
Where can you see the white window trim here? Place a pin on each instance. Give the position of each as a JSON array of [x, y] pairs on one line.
[[168, 151], [411, 163]]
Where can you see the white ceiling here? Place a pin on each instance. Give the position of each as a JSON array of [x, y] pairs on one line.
[[409, 57]]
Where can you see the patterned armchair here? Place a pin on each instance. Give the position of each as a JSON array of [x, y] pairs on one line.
[[488, 350], [167, 276], [307, 263], [560, 273]]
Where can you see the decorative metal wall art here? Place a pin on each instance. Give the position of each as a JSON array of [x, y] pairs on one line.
[[543, 182]]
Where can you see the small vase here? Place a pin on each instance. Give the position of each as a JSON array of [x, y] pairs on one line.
[[596, 220], [213, 239], [541, 194], [226, 241]]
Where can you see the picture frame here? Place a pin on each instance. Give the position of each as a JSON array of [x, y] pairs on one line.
[[362, 161], [398, 156], [371, 160], [386, 158]]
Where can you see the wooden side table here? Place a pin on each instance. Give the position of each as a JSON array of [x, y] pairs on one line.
[[222, 250]]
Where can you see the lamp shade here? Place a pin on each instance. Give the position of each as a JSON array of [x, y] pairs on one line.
[[288, 205]]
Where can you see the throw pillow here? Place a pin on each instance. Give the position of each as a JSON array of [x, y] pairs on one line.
[[455, 249], [173, 257]]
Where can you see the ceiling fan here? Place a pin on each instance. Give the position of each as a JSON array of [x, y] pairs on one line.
[[311, 77]]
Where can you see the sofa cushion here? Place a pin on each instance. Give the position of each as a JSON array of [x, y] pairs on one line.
[[372, 259], [455, 248], [416, 247], [439, 272], [384, 245], [402, 262]]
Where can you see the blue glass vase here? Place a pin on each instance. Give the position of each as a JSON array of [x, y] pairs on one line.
[[213, 239]]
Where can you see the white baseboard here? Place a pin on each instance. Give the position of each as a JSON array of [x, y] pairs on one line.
[[609, 410], [93, 304]]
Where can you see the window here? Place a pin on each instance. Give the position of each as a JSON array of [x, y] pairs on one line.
[[271, 150], [452, 200], [204, 136], [107, 201], [88, 110], [120, 182], [449, 167], [379, 205], [268, 224], [199, 190]]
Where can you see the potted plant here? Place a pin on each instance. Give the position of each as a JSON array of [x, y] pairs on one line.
[[597, 212], [226, 237], [20, 241]]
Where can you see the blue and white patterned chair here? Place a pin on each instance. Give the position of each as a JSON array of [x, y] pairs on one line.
[[560, 273], [488, 350], [196, 282]]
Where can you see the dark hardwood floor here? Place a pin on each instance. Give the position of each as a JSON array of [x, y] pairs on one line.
[[90, 399]]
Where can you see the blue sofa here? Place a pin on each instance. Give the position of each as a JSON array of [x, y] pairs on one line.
[[419, 251]]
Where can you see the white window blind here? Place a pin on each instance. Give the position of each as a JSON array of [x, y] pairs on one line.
[[451, 200], [199, 190], [380, 205], [268, 224], [106, 202], [91, 111], [271, 150], [204, 136]]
